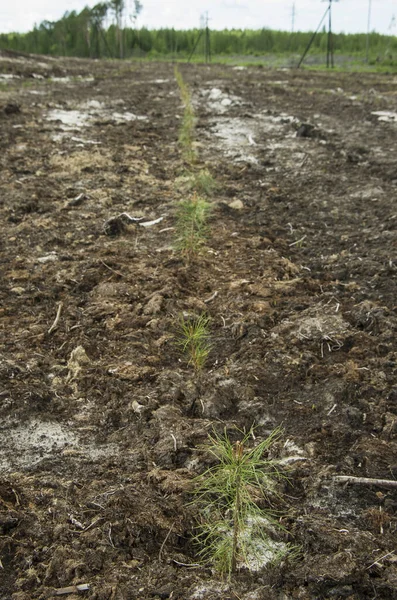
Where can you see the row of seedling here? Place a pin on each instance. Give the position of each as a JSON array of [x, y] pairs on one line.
[[235, 528], [198, 185]]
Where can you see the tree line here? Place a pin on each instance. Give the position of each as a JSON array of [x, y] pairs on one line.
[[105, 30]]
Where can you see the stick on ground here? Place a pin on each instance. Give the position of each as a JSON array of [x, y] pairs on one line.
[[55, 323], [385, 483], [72, 589]]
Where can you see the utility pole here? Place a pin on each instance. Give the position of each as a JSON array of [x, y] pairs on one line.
[[293, 12], [204, 31], [368, 31], [330, 43], [207, 40]]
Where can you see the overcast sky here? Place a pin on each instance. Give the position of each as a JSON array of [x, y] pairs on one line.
[[348, 15]]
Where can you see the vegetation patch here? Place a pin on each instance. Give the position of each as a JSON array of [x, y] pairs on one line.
[[81, 161]]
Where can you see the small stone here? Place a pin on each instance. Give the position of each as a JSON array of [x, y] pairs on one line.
[[239, 283], [154, 305], [341, 591], [114, 226], [236, 205], [18, 290], [306, 130], [78, 359], [52, 257], [11, 108], [261, 307]]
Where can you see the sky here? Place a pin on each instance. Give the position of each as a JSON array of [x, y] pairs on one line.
[[347, 15]]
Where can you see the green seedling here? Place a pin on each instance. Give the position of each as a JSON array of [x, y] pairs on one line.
[[193, 340], [186, 133], [184, 90], [204, 183], [191, 226], [201, 182], [233, 531]]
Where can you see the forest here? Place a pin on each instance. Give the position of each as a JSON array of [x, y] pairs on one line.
[[105, 31]]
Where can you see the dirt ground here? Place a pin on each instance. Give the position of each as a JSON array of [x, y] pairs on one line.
[[102, 421]]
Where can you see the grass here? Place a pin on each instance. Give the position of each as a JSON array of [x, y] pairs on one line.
[[191, 226], [233, 531], [193, 340], [353, 62]]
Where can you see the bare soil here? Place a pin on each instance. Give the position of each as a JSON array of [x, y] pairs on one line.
[[102, 421]]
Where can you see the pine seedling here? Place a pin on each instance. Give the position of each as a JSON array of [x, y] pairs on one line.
[[233, 531], [186, 133], [191, 226], [193, 340], [182, 85], [201, 182], [204, 183]]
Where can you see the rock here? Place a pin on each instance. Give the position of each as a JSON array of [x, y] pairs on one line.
[[51, 257], [154, 305], [236, 205], [369, 192], [78, 359], [12, 108], [261, 306], [340, 591], [306, 130], [114, 226]]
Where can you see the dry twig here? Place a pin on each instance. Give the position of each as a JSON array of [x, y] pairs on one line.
[[55, 323], [72, 589], [165, 540], [110, 269], [385, 483], [381, 558], [211, 298], [298, 241]]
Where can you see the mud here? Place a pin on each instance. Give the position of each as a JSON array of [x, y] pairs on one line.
[[102, 420]]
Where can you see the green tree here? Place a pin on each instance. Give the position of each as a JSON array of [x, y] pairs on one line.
[[97, 18], [118, 6], [134, 18]]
